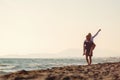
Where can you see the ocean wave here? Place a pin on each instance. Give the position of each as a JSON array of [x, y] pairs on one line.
[[34, 65], [3, 65], [6, 66]]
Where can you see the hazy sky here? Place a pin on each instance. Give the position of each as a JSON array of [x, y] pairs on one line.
[[42, 27]]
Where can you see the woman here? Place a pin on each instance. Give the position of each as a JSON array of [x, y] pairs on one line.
[[87, 47]]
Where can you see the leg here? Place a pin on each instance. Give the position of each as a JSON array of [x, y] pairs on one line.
[[87, 59], [92, 48], [90, 57]]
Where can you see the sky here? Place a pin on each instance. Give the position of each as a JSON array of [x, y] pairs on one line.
[[57, 28]]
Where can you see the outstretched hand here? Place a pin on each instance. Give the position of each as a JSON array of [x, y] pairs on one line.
[[99, 30]]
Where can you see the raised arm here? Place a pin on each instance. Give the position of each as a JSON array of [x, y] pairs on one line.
[[96, 33]]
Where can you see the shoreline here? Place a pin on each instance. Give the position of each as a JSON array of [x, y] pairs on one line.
[[100, 71]]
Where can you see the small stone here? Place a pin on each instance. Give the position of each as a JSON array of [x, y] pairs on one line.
[[66, 78], [112, 68]]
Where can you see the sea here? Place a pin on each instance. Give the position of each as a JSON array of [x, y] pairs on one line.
[[8, 65]]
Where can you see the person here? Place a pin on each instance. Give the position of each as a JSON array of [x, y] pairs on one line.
[[89, 46], [92, 39]]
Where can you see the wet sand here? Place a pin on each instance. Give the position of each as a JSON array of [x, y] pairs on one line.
[[101, 71]]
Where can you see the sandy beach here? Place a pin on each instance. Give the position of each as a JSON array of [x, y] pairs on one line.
[[100, 71]]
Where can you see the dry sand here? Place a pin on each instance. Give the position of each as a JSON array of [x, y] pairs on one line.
[[101, 71]]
